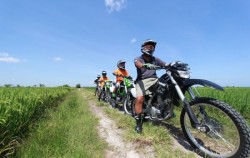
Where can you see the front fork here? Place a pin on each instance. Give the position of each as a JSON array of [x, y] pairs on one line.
[[193, 119]]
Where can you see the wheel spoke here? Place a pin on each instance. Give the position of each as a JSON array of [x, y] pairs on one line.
[[230, 145]]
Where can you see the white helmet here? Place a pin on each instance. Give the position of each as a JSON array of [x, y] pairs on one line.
[[147, 50], [120, 64]]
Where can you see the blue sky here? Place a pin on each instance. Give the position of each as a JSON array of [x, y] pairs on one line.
[[57, 42]]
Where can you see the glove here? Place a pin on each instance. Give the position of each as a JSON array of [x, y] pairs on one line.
[[149, 66]]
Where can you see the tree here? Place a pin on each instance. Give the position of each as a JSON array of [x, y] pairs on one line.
[[41, 85], [66, 85], [78, 86], [8, 85]]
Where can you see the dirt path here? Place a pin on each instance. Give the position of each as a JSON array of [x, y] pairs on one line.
[[119, 148], [113, 136]]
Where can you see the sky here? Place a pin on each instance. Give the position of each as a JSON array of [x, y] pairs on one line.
[[58, 42]]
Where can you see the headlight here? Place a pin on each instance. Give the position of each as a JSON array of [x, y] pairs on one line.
[[184, 74]]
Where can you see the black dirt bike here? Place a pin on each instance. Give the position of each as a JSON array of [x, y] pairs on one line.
[[210, 125]]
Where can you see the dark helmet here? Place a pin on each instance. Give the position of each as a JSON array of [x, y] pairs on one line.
[[121, 64], [98, 76], [104, 73], [147, 50]]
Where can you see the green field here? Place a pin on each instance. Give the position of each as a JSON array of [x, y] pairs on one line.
[[239, 98], [21, 107]]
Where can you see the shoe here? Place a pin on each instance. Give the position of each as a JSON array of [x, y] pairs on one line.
[[138, 129]]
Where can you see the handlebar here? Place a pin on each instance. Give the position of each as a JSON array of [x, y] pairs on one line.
[[161, 67]]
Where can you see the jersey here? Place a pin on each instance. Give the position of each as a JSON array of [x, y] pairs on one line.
[[143, 73], [120, 72], [101, 81]]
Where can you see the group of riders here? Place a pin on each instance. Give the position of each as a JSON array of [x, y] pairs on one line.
[[146, 77], [154, 98]]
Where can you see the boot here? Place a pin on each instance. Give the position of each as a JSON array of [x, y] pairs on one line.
[[138, 119]]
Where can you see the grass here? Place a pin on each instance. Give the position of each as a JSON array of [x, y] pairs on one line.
[[70, 131]]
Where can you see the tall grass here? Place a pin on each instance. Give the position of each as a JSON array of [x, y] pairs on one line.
[[19, 107], [237, 97]]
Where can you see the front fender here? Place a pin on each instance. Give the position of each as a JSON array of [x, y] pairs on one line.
[[133, 92], [190, 82]]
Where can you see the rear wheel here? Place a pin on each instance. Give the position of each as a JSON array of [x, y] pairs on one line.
[[227, 134]]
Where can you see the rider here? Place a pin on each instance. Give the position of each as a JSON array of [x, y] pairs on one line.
[[96, 82], [146, 77], [103, 79], [120, 73]]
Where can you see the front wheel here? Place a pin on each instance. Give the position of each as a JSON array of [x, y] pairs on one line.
[[127, 104], [99, 94], [108, 97], [226, 135]]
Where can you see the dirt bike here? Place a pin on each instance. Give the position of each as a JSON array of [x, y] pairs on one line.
[[104, 93], [130, 96], [108, 86], [210, 125], [122, 90]]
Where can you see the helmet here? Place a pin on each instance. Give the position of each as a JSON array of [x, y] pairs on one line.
[[98, 76], [148, 51], [104, 73], [121, 64]]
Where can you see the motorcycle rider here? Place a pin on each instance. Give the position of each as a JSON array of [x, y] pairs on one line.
[[102, 80], [146, 77], [120, 73], [96, 82]]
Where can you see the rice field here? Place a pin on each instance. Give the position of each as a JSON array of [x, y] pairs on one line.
[[20, 106], [237, 97]]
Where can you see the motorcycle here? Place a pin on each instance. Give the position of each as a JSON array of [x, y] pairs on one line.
[[122, 90], [110, 86], [209, 125], [130, 95], [104, 93]]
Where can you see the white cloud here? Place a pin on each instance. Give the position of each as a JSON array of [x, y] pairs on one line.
[[133, 40], [4, 57], [57, 59], [115, 5]]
